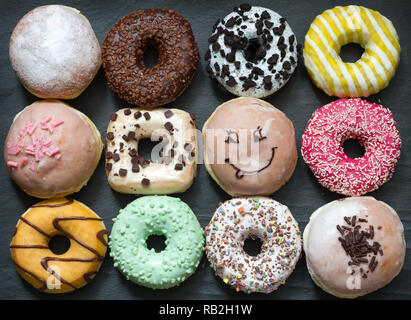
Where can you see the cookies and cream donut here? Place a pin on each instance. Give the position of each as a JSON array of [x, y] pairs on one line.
[[372, 125], [354, 246], [51, 149], [249, 147], [252, 51], [54, 52], [123, 57], [156, 215], [339, 26], [174, 159], [39, 265], [241, 218]]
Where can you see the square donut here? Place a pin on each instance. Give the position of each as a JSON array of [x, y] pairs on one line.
[[173, 162]]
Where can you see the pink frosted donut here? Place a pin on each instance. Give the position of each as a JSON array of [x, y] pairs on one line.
[[374, 128]]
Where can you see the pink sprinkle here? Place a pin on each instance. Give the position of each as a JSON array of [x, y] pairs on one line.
[[12, 164], [24, 161], [13, 148], [47, 143], [52, 152], [56, 123], [31, 128], [58, 156], [22, 132], [45, 120], [37, 155]]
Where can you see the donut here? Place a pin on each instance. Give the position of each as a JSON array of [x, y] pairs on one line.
[[339, 26], [354, 246], [51, 149], [241, 218], [252, 52], [173, 165], [249, 147], [123, 57], [156, 215], [54, 52], [58, 273], [372, 125]]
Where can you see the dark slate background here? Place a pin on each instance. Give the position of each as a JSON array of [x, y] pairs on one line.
[[298, 99]]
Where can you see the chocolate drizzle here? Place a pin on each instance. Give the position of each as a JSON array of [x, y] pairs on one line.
[[68, 202], [56, 223], [239, 174]]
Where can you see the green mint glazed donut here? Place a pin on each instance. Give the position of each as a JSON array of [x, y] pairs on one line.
[[156, 215]]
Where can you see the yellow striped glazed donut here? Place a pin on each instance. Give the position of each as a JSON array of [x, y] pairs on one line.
[[339, 26]]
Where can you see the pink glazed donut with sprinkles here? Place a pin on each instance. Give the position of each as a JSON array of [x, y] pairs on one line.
[[241, 218], [372, 125]]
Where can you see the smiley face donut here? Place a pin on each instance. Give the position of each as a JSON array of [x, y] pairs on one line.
[[59, 273], [249, 147], [252, 52], [374, 128], [173, 163], [339, 26], [241, 218]]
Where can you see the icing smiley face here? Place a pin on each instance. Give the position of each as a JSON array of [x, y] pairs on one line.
[[249, 147], [257, 137]]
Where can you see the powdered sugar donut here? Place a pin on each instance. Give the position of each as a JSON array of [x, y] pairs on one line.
[[241, 218], [252, 52], [374, 128], [54, 52]]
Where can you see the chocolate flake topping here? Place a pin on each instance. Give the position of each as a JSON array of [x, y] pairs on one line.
[[359, 244]]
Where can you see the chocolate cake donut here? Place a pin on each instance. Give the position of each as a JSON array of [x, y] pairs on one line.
[[123, 57]]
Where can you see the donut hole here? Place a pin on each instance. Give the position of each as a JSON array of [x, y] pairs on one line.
[[351, 52], [353, 148], [252, 246], [150, 57], [253, 50], [147, 151], [59, 244], [156, 242]]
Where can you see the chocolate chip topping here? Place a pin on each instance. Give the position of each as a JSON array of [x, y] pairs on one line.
[[168, 113], [168, 126], [110, 135], [127, 112], [145, 182], [171, 35], [147, 116], [122, 172], [109, 166], [113, 117], [178, 166], [116, 157], [137, 115]]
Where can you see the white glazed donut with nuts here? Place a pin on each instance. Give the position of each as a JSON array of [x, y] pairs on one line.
[[252, 52], [241, 218], [174, 159]]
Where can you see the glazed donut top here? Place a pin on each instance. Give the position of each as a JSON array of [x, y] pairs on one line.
[[335, 257], [229, 46], [375, 129], [51, 149], [123, 57], [54, 52], [241, 218], [339, 26], [249, 147], [74, 268]]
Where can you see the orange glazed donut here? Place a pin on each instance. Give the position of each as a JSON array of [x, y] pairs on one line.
[[59, 273]]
